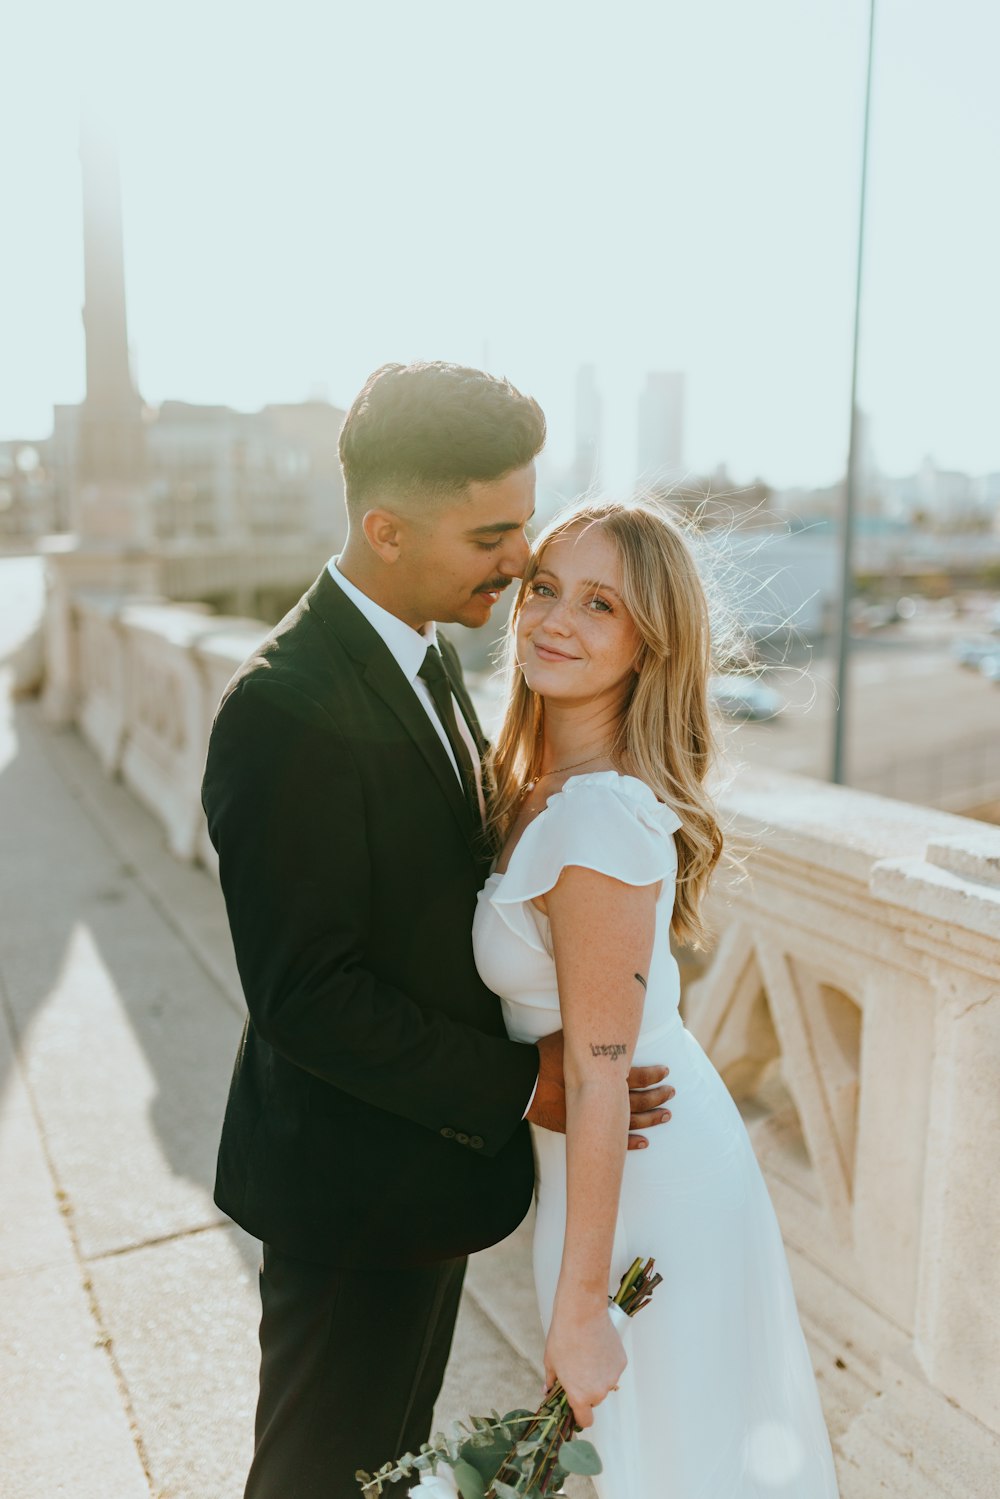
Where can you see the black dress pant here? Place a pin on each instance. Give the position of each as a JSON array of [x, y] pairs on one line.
[[351, 1364]]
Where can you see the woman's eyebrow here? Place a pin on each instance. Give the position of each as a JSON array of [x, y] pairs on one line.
[[601, 587]]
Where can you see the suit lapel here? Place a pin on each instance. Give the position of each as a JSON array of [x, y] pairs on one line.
[[382, 674], [385, 678]]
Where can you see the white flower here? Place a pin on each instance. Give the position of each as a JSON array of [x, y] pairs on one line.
[[439, 1485]]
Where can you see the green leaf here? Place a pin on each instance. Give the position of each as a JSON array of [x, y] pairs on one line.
[[504, 1490], [530, 1444], [513, 1418], [578, 1456], [485, 1452], [470, 1482]]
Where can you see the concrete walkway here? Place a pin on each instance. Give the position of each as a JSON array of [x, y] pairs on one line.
[[128, 1304]]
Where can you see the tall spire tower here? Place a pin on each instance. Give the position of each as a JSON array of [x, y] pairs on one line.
[[111, 492]]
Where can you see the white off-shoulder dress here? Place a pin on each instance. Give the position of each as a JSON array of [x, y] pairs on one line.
[[719, 1398]]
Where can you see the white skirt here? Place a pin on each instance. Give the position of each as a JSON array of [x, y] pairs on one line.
[[719, 1399]]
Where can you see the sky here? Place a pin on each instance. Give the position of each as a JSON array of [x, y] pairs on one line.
[[310, 190]]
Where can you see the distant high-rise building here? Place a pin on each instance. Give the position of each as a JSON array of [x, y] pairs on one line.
[[661, 428], [110, 498], [589, 416]]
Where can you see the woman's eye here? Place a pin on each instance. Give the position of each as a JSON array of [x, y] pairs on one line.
[[543, 589], [601, 605]]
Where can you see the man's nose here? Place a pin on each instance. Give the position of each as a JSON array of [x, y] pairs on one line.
[[515, 558]]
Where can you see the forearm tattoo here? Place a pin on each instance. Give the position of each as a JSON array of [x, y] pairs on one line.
[[639, 976]]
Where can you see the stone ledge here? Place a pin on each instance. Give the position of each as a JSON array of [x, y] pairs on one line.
[[909, 1444]]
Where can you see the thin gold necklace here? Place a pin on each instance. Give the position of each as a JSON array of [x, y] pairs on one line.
[[530, 785]]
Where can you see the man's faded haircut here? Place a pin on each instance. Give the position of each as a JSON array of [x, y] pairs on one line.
[[427, 430]]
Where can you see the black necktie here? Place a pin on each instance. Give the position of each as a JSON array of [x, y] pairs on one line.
[[436, 678]]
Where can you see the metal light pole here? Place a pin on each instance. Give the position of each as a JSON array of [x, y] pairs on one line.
[[838, 774]]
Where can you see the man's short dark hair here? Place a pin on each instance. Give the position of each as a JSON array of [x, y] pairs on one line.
[[432, 429]]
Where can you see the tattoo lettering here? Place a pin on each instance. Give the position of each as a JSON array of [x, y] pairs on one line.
[[616, 1049], [639, 976]]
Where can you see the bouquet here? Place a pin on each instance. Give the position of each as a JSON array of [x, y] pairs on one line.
[[522, 1455]]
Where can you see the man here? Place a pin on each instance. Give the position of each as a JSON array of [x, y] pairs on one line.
[[374, 1132]]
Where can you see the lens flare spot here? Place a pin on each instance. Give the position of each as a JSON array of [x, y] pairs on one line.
[[775, 1453]]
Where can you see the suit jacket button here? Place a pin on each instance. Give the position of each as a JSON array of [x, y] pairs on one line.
[[448, 1133], [462, 1139], [476, 1142]]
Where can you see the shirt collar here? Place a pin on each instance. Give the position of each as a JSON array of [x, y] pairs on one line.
[[407, 645]]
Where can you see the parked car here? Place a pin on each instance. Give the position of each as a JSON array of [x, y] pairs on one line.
[[973, 649], [744, 697]]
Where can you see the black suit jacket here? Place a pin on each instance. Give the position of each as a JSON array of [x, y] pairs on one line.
[[375, 1107]]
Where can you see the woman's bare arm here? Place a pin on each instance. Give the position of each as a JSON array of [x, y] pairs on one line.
[[602, 934]]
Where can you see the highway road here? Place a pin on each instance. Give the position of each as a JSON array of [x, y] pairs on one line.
[[919, 726]]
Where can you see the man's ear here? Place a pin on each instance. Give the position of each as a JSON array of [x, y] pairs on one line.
[[383, 534]]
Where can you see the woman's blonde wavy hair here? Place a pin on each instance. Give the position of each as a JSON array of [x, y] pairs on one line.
[[665, 736]]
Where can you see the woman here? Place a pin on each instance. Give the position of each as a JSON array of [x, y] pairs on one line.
[[607, 841]]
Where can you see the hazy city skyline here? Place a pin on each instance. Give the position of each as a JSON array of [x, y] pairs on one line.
[[552, 189]]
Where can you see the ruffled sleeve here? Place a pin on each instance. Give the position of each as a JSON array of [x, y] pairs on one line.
[[606, 822]]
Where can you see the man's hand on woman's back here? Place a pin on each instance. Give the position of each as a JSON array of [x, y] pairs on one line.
[[648, 1093]]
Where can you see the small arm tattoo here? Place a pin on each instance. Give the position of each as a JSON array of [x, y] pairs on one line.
[[639, 976], [615, 1049]]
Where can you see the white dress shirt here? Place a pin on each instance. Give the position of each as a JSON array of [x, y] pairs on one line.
[[409, 647]]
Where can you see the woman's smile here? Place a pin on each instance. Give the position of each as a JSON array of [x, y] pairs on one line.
[[550, 653]]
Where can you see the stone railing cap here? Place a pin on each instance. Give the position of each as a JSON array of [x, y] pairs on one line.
[[836, 826], [975, 855], [233, 641], [177, 624], [108, 602]]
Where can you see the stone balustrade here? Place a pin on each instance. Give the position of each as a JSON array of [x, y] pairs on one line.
[[853, 1006], [142, 680]]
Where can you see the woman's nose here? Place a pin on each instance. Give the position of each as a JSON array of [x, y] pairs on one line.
[[558, 616]]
